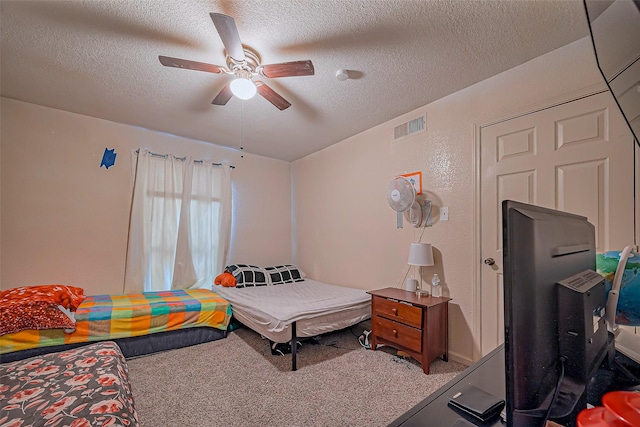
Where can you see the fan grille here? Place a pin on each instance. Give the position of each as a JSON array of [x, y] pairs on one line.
[[400, 194]]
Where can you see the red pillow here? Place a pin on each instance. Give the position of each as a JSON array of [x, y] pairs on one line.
[[36, 307]]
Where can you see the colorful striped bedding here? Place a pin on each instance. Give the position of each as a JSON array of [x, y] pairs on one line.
[[106, 317]]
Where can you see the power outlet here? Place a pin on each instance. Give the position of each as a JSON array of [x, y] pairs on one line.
[[444, 214]]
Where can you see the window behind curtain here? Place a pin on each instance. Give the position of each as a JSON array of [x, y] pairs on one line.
[[208, 229], [155, 259]]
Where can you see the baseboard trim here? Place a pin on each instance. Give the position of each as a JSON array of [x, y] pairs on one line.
[[457, 357]]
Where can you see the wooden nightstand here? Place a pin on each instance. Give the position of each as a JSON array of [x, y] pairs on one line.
[[415, 325]]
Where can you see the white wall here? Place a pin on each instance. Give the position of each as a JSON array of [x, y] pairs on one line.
[[344, 230], [64, 219]]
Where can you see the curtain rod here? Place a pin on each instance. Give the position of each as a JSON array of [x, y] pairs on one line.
[[182, 158]]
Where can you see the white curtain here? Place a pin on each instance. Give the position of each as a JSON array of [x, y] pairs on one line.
[[180, 223]]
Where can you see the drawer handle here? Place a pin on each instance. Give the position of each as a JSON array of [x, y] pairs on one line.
[[395, 333], [395, 311]]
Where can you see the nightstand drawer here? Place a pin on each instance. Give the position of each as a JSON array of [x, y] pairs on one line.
[[398, 333], [400, 312]]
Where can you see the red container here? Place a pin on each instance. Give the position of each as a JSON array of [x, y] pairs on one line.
[[625, 405], [621, 409]]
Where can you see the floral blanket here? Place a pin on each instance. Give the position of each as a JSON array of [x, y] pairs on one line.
[[86, 386], [39, 307]]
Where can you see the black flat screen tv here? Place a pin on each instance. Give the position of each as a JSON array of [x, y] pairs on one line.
[[542, 247]]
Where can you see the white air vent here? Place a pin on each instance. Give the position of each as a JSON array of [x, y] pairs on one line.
[[412, 127]]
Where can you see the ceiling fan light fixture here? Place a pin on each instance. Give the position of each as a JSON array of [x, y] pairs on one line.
[[243, 88], [244, 63]]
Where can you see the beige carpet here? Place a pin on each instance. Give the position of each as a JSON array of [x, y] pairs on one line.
[[237, 382]]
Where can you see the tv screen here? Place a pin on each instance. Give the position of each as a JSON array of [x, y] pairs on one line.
[[541, 248]]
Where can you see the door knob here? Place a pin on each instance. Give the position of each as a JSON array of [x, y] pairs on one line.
[[489, 261]]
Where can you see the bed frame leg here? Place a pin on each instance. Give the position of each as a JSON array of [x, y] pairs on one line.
[[294, 346]]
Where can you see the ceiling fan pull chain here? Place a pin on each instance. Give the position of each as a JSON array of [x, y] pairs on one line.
[[241, 127]]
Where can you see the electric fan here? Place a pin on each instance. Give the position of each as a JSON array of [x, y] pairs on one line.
[[401, 196], [414, 214], [244, 63]]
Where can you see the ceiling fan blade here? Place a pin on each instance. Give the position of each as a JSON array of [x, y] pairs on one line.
[[223, 96], [288, 69], [190, 65], [272, 96], [228, 32]]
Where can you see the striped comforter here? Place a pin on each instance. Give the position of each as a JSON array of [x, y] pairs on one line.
[[105, 317]]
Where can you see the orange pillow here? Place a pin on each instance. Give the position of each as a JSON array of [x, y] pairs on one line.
[[226, 279], [36, 307]]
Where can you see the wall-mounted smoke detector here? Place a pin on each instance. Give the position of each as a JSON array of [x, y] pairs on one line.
[[342, 74]]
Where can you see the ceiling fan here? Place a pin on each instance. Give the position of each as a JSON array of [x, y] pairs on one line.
[[244, 63]]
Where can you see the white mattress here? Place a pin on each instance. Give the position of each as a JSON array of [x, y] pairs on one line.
[[316, 307]]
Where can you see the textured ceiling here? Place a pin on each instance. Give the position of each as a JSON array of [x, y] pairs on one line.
[[100, 59]]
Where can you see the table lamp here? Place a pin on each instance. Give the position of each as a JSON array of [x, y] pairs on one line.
[[420, 254]]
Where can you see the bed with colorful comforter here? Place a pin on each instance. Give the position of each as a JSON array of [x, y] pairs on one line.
[[87, 386], [140, 323]]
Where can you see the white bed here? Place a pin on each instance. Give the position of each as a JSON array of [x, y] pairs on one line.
[[302, 309]]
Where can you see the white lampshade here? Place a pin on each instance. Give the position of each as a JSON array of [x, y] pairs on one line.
[[243, 88], [421, 254]]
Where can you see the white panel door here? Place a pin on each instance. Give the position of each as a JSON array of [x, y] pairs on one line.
[[576, 157]]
